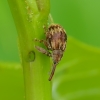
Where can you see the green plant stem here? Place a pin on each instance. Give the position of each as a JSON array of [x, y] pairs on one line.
[[29, 17]]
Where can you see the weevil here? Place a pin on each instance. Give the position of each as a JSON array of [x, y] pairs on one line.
[[55, 42]]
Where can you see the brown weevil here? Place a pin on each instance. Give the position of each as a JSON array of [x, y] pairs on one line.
[[55, 42]]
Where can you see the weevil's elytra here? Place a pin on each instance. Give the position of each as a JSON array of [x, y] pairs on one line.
[[56, 39]]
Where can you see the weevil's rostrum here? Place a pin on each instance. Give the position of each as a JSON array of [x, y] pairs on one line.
[[56, 39]]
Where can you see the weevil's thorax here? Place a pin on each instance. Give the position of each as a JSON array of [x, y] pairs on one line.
[[57, 55], [56, 37]]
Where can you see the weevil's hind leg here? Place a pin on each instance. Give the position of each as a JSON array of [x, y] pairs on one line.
[[51, 19], [45, 29], [42, 50], [41, 41]]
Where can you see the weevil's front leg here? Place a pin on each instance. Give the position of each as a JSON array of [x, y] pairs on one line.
[[41, 41], [42, 50]]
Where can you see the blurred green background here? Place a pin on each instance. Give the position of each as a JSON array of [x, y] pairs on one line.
[[77, 76]]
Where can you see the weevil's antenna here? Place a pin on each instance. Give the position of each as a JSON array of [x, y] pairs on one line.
[[51, 19], [52, 72]]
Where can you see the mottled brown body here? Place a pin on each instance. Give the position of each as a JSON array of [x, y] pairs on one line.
[[56, 42], [56, 37]]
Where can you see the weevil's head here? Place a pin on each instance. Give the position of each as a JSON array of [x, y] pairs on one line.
[[57, 55]]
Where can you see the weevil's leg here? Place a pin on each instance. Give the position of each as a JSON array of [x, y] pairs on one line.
[[41, 41], [52, 72], [51, 19], [42, 50], [45, 29]]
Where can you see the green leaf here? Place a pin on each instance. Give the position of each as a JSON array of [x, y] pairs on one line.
[[11, 81]]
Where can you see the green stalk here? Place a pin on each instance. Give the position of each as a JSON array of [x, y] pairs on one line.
[[29, 17]]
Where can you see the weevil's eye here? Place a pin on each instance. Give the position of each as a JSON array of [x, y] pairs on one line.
[[54, 62]]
